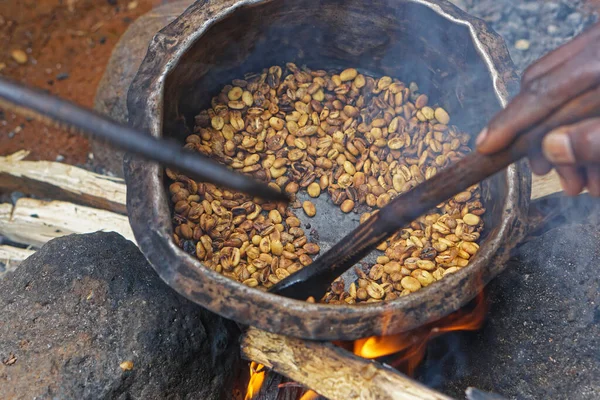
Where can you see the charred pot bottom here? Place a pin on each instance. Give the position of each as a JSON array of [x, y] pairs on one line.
[[360, 139]]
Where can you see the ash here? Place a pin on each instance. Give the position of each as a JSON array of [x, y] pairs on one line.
[[531, 28]]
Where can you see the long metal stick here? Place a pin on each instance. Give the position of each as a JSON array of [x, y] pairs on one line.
[[314, 279], [53, 110]]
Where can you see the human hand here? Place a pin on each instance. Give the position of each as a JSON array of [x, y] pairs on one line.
[[548, 84]]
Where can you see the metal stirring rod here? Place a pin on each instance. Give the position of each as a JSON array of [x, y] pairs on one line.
[[53, 110]]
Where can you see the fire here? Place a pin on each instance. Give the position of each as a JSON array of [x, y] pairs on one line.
[[257, 376], [411, 345], [309, 395]]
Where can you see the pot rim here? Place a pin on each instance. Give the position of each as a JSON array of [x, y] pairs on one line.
[[231, 299]]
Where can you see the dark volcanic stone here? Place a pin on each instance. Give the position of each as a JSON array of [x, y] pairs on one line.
[[82, 305], [542, 337]]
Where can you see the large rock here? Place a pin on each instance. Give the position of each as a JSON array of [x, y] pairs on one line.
[[84, 304], [542, 337]]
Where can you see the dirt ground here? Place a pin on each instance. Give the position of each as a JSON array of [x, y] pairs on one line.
[[68, 44]]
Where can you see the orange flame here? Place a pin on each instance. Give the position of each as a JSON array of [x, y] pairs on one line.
[[309, 395], [411, 345], [257, 376]]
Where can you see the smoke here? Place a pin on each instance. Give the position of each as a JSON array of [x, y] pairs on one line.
[[446, 359], [558, 210]]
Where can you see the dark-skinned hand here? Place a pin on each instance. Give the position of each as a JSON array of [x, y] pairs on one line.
[[547, 85]]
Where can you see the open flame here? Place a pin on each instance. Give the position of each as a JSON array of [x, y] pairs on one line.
[[257, 376], [410, 346], [309, 395]]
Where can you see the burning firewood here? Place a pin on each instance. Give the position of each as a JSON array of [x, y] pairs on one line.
[[331, 371]]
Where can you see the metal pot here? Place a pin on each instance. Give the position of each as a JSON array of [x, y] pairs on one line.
[[456, 59]]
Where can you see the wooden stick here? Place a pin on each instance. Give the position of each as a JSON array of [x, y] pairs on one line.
[[331, 371], [11, 257], [35, 222], [62, 182]]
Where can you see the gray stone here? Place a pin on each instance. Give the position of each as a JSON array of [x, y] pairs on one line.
[[528, 9], [482, 8], [574, 19], [459, 3], [517, 29], [550, 7], [493, 17], [83, 304], [530, 20], [564, 10], [552, 30]]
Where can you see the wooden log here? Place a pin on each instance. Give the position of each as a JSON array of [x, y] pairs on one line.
[[62, 182], [11, 257], [331, 371], [546, 185], [35, 222]]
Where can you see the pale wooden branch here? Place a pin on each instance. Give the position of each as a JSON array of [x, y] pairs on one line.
[[542, 186], [331, 371], [11, 257], [62, 182], [35, 222]]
